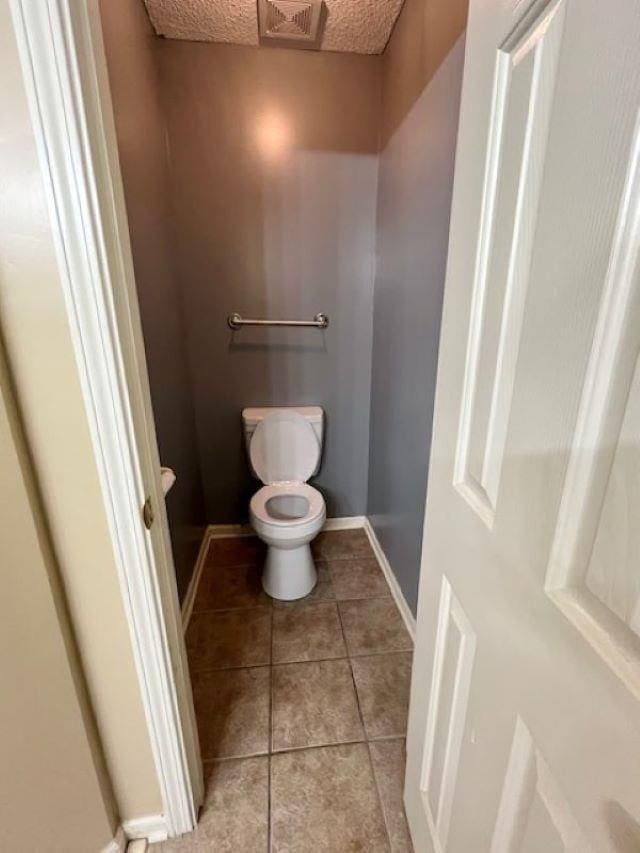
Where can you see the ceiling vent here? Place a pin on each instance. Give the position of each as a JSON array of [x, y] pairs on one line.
[[291, 23]]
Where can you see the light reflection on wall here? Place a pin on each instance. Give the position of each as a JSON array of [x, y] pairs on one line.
[[273, 136]]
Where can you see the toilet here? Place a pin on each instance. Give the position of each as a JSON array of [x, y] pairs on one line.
[[284, 447]]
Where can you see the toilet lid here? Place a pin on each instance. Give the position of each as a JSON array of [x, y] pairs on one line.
[[284, 449]]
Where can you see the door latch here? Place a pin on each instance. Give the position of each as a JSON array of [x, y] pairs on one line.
[[147, 513]]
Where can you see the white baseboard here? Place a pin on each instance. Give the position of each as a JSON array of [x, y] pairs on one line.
[[353, 522], [392, 583], [225, 531], [190, 597], [118, 844], [137, 845], [349, 522], [153, 827], [222, 531]]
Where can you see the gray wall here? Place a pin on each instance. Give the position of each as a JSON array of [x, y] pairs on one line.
[[274, 172], [421, 77], [279, 164], [131, 57]]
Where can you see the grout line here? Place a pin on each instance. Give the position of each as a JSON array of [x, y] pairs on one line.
[[290, 605], [292, 749], [266, 606], [342, 657], [387, 738], [270, 744], [348, 656], [379, 793], [342, 558], [271, 687], [269, 804], [353, 678], [289, 749], [242, 756], [230, 668], [318, 558], [296, 602]]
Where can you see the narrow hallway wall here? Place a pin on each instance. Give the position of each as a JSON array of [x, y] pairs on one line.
[[131, 49], [274, 174], [55, 793], [421, 80], [37, 338]]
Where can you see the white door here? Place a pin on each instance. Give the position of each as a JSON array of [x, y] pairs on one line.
[[524, 729]]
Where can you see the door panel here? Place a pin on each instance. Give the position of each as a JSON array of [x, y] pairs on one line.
[[594, 567], [533, 815], [524, 82], [524, 728], [455, 649]]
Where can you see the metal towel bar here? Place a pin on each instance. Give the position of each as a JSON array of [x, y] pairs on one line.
[[235, 321]]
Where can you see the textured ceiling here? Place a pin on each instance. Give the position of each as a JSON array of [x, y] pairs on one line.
[[352, 26]]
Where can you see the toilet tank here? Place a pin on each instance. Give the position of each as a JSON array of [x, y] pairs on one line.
[[313, 414]]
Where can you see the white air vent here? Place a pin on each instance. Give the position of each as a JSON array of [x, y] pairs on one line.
[[290, 20]]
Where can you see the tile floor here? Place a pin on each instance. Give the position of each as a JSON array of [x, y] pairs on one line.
[[301, 706]]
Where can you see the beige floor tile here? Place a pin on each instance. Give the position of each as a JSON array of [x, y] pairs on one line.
[[325, 800], [357, 578], [314, 704], [230, 587], [231, 638], [234, 816], [388, 758], [373, 625], [383, 682], [322, 591], [232, 711], [307, 632], [341, 544], [236, 551]]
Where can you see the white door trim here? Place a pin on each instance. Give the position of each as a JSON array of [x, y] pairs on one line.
[[63, 66]]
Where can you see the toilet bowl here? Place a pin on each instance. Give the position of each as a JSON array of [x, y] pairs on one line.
[[286, 513]]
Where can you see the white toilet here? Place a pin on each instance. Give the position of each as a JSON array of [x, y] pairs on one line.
[[284, 447]]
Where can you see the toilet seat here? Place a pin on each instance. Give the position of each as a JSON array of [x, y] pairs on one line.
[[284, 449], [260, 510]]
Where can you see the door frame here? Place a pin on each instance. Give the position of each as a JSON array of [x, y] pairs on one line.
[[65, 75]]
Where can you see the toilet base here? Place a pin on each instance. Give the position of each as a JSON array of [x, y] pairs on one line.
[[289, 573]]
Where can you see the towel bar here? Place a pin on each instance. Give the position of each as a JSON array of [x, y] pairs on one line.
[[235, 322]]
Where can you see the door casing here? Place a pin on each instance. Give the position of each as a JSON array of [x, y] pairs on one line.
[[64, 71]]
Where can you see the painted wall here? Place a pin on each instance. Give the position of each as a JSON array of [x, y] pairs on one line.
[[280, 163], [130, 47], [54, 790], [421, 79], [40, 353], [274, 172]]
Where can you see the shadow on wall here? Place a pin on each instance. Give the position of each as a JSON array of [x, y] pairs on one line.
[[274, 176], [131, 50], [421, 78], [424, 35], [625, 831]]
